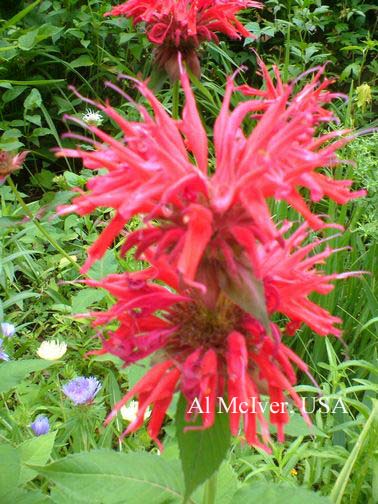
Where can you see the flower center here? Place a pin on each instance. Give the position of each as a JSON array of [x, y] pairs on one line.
[[201, 326]]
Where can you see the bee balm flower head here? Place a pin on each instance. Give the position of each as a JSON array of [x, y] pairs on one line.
[[151, 172], [182, 25], [219, 341], [10, 162]]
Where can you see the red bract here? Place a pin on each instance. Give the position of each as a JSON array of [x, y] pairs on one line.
[[160, 169], [209, 349], [182, 25]]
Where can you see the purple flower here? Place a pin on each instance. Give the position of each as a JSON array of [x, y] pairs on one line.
[[40, 426], [3, 356], [82, 390], [7, 330]]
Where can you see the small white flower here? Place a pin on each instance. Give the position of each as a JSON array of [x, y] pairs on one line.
[[129, 413], [92, 118], [51, 350]]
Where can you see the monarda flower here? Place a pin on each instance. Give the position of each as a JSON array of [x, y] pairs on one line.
[[161, 169], [212, 344], [10, 163], [182, 25]]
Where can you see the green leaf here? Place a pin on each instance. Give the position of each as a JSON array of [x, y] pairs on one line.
[[12, 373], [107, 476], [20, 15], [45, 178], [33, 100], [35, 451], [82, 61], [201, 451], [272, 493], [227, 484], [126, 37], [36, 82], [11, 145], [137, 371], [34, 119], [105, 266], [27, 41], [19, 298], [86, 298], [20, 496], [13, 93], [10, 140], [298, 427], [10, 221], [9, 469]]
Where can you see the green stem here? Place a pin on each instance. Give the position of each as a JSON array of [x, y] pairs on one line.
[[39, 226], [175, 99], [210, 490]]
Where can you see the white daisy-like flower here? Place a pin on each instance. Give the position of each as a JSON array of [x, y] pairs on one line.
[[51, 350], [92, 118], [129, 413]]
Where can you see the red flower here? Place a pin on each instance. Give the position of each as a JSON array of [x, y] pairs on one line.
[[211, 239], [204, 216], [10, 163], [207, 350], [182, 25]]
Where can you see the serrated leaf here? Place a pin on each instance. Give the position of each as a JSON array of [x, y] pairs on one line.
[[201, 452], [272, 493], [107, 476], [12, 373]]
